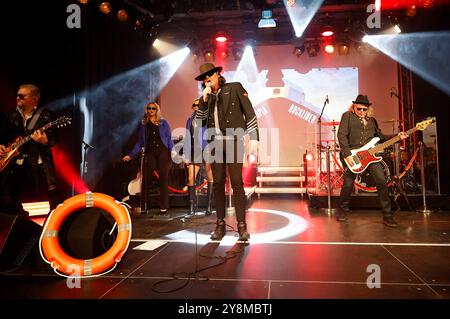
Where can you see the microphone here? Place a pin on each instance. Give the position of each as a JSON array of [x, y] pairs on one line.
[[327, 100], [87, 145]]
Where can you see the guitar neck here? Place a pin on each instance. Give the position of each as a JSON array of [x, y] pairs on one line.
[[27, 138], [382, 146]]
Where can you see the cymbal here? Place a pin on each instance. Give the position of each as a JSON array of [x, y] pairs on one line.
[[330, 123]]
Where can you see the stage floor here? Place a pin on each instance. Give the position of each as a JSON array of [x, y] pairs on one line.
[[294, 253]]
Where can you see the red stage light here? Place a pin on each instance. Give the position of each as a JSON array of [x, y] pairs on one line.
[[329, 48], [221, 37], [327, 31]]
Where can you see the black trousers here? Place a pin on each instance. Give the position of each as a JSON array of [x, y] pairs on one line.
[[29, 182], [235, 172], [377, 173], [158, 160]]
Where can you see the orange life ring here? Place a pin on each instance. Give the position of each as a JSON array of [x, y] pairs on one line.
[[52, 252]]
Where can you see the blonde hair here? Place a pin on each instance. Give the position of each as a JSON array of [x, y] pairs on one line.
[[146, 119], [370, 111]]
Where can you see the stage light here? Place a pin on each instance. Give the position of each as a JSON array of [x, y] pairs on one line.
[[105, 7], [343, 49], [209, 55], [397, 28], [83, 1], [138, 24], [301, 14], [425, 53], [329, 48], [411, 11], [427, 3], [221, 37], [327, 31], [122, 15], [266, 20], [223, 54], [313, 50], [298, 51], [377, 5], [308, 157]]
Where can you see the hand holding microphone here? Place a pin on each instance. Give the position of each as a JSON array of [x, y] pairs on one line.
[[206, 91]]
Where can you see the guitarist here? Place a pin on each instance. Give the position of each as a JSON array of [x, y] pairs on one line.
[[358, 127], [33, 167]]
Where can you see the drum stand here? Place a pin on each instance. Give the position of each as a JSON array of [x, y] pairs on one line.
[[425, 210]]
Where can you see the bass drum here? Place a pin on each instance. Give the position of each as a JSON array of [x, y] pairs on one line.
[[365, 182]]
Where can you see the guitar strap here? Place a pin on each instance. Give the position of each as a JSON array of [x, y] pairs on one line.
[[34, 119]]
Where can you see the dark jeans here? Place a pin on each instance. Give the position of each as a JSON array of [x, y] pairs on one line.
[[377, 173], [235, 173], [159, 161]]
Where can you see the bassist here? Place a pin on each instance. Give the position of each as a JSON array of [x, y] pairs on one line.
[[33, 169], [358, 127]]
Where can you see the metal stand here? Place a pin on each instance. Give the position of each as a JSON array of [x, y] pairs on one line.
[[231, 210], [425, 209], [329, 210]]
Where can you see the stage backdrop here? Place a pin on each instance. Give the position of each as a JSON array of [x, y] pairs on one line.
[[288, 93]]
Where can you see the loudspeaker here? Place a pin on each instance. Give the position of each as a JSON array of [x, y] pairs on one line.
[[18, 238], [85, 234]]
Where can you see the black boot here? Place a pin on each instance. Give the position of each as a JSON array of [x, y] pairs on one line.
[[242, 230], [389, 221], [210, 197], [219, 232], [341, 215], [191, 191]]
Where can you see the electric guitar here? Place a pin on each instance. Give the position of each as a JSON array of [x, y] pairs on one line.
[[13, 148], [364, 156]]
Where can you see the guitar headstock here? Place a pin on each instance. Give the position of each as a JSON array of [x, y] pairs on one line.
[[424, 124], [63, 121]]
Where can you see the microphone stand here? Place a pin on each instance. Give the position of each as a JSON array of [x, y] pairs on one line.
[[319, 145]]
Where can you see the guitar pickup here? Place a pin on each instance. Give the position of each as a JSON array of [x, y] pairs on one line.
[[356, 159]]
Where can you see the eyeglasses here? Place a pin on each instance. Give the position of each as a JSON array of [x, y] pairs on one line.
[[151, 108], [364, 109], [21, 96]]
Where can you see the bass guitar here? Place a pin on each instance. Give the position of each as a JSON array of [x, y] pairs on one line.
[[364, 156], [13, 148]]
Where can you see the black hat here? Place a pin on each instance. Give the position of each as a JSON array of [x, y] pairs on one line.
[[362, 99], [206, 68]]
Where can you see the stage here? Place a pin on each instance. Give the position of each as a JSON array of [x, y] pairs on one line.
[[295, 252]]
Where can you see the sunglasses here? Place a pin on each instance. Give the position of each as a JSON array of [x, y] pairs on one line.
[[364, 109], [210, 74], [151, 108], [21, 96]]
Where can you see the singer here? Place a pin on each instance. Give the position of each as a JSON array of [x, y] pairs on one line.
[[33, 169], [226, 107], [155, 137]]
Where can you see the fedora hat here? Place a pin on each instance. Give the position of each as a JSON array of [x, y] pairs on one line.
[[362, 99], [206, 68]]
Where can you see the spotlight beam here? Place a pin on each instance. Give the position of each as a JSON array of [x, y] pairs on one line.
[[301, 14], [425, 53]]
